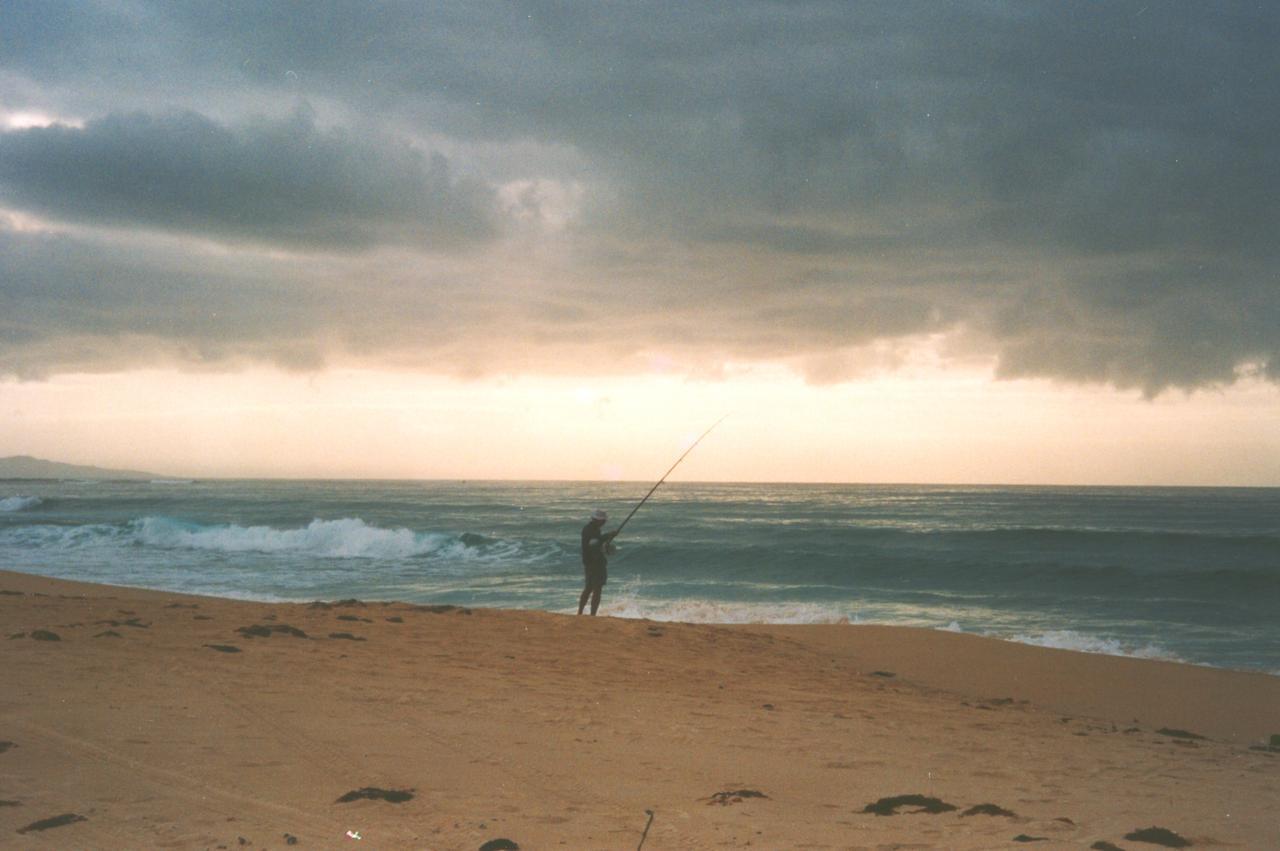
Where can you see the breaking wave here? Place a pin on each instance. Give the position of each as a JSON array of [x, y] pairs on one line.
[[348, 537], [19, 503]]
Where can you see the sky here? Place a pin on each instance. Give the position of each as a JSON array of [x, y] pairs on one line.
[[1023, 242]]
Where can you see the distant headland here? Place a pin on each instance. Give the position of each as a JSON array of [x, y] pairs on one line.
[[26, 467]]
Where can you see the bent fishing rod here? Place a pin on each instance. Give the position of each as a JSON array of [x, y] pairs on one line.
[[618, 531]]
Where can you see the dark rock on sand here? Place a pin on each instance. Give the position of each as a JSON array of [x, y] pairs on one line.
[[265, 630], [393, 796], [12, 593], [10, 803], [1022, 837], [396, 619], [224, 648], [45, 635], [988, 810], [109, 633], [345, 635], [883, 674], [1102, 845], [442, 609], [1159, 836], [735, 796], [499, 845], [354, 618], [1177, 734], [290, 839], [889, 806], [54, 821], [136, 623], [4, 746]]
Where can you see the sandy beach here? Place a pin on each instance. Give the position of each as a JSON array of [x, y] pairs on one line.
[[140, 719]]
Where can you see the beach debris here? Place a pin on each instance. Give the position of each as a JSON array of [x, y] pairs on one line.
[[655, 632], [1177, 734], [395, 619], [1159, 836], [649, 813], [734, 796], [1022, 837], [224, 648], [53, 821], [265, 630], [136, 623], [768, 706], [345, 635], [202, 617], [988, 810], [4, 746], [885, 674], [354, 834], [1103, 845], [500, 845], [183, 606], [439, 609], [923, 804], [290, 839], [373, 793]]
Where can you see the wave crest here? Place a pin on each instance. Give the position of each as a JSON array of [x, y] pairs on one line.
[[19, 503], [345, 538]]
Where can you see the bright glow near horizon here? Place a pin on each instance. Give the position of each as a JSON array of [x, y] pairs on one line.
[[945, 427]]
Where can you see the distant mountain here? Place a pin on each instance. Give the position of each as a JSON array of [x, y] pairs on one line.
[[26, 467]]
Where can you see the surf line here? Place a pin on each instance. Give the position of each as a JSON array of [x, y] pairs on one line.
[[618, 531]]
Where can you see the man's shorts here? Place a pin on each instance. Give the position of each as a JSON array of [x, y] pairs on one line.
[[595, 576]]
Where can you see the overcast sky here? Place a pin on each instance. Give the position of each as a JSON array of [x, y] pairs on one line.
[[1082, 193]]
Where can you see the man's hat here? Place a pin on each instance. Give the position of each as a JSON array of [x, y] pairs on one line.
[[599, 514]]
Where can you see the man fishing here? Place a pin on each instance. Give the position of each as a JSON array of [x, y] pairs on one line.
[[597, 544], [595, 560]]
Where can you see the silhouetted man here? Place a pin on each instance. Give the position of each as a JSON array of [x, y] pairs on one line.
[[595, 561]]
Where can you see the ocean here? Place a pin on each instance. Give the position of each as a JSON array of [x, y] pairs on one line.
[[1188, 574]]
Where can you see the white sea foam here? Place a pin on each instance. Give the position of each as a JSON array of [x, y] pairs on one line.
[[1067, 639], [627, 605], [345, 538], [19, 503], [348, 537]]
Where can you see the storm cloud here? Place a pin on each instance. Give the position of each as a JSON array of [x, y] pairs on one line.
[[1088, 193]]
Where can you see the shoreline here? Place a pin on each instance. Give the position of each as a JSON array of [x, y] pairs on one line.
[[558, 731]]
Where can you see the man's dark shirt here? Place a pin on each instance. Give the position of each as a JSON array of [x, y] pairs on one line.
[[593, 545]]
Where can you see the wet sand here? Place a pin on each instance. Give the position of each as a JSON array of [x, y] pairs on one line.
[[140, 719]]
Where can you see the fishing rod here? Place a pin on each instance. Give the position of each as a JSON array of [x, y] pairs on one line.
[[618, 531]]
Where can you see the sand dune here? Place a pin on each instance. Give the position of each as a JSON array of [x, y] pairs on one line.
[[138, 719]]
